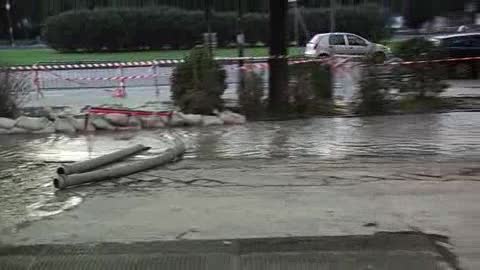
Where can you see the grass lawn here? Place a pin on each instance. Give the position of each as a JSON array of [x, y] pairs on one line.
[[32, 56]]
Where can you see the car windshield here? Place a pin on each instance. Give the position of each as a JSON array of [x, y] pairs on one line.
[[315, 39], [239, 135]]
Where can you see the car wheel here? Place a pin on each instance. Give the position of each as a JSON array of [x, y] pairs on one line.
[[379, 57]]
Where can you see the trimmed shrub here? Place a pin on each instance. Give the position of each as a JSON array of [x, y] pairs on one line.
[[199, 83], [116, 29], [424, 79], [310, 90], [250, 96], [417, 49], [373, 98]]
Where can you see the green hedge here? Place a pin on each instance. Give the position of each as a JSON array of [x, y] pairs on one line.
[[132, 29]]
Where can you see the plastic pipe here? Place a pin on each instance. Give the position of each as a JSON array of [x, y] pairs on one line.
[[88, 165], [63, 181]]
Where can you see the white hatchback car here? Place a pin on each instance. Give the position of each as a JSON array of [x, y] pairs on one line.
[[347, 44]]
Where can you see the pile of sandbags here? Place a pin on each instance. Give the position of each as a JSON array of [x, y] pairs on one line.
[[69, 124], [22, 125]]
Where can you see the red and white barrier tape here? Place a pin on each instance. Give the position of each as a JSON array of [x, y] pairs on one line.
[[114, 78], [232, 60], [132, 64], [98, 110]]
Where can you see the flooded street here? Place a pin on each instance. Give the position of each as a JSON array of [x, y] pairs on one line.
[[28, 162]]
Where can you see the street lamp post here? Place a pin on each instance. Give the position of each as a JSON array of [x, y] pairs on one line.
[[208, 15], [333, 10], [294, 4], [240, 44], [240, 32], [10, 25]]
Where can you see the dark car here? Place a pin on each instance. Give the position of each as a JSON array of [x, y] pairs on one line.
[[461, 46]]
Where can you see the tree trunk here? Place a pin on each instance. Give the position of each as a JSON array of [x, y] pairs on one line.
[[278, 81]]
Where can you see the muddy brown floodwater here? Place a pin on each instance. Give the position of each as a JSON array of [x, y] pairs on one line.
[[27, 163]]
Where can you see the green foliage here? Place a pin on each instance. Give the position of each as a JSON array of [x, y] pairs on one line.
[[424, 79], [416, 86], [250, 96], [199, 83], [417, 49], [117, 29], [373, 93], [310, 90]]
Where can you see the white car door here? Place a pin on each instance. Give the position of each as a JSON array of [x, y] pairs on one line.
[[337, 44], [357, 45]]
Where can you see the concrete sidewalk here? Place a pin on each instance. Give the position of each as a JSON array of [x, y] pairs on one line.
[[274, 198]]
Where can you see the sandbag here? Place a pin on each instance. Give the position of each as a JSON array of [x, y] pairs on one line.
[[152, 122], [63, 125], [211, 121], [4, 131], [30, 123], [17, 130], [6, 123], [134, 122], [117, 119], [49, 129], [177, 119], [231, 118], [79, 124], [192, 119], [102, 124]]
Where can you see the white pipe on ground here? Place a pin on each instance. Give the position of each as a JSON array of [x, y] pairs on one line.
[[88, 165], [64, 181]]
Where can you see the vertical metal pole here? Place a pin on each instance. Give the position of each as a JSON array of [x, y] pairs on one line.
[[8, 7], [240, 44], [155, 74], [333, 10], [123, 87], [208, 14], [296, 23], [37, 83], [240, 34]]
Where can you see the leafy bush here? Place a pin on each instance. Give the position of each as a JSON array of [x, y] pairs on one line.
[[424, 79], [417, 49], [199, 83], [13, 92], [373, 92], [250, 96], [310, 88], [116, 29]]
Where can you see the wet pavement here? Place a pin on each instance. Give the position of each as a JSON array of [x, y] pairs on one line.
[[323, 176]]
